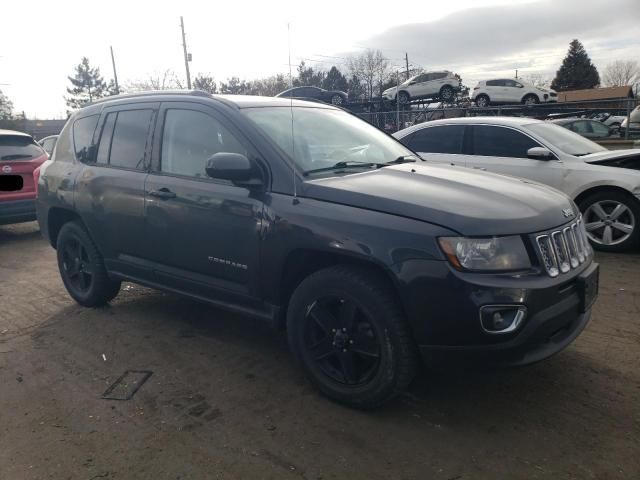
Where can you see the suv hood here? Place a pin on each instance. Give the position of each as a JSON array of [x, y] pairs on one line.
[[611, 154], [470, 203]]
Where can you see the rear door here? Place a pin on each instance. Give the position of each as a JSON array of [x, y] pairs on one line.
[[440, 144], [205, 231], [110, 189], [20, 155], [501, 149], [496, 90]]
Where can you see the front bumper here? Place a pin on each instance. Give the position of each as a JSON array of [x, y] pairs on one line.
[[443, 308], [17, 211]]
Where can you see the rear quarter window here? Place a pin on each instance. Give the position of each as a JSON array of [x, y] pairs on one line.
[[83, 130], [19, 147]]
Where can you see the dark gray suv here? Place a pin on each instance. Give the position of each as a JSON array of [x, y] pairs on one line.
[[308, 217]]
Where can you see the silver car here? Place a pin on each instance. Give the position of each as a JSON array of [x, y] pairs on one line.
[[605, 184]]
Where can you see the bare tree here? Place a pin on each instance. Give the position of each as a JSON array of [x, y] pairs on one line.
[[166, 80], [371, 68], [621, 72], [538, 80]]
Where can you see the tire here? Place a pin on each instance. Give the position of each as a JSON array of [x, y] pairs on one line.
[[612, 220], [530, 99], [403, 97], [482, 101], [82, 267], [446, 93], [338, 320], [337, 99]]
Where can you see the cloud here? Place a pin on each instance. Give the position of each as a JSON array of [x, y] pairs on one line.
[[501, 38]]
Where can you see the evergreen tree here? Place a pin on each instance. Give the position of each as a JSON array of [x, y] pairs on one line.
[[206, 83], [577, 71], [357, 90], [87, 85], [6, 107], [335, 80], [308, 77]]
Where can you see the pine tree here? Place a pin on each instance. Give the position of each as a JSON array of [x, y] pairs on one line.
[[206, 83], [87, 85], [577, 71], [335, 80]]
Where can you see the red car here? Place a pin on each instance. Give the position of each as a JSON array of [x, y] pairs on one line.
[[20, 159]]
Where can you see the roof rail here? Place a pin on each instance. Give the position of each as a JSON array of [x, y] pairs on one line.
[[150, 93]]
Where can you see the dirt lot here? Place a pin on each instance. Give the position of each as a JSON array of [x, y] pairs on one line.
[[224, 400]]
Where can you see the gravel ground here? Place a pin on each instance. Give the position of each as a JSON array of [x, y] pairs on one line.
[[224, 400]]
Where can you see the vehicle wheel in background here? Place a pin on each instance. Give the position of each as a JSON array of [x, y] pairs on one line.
[[530, 99], [403, 97], [348, 333], [482, 101], [611, 220], [82, 267], [446, 93], [337, 99]]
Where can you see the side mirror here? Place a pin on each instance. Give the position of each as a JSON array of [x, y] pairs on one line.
[[539, 153], [235, 167]]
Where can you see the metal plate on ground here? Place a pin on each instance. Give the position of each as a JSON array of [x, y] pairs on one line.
[[125, 387]]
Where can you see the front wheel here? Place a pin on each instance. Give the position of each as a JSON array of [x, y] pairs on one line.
[[348, 333], [403, 97], [82, 267], [611, 220], [446, 93], [530, 100]]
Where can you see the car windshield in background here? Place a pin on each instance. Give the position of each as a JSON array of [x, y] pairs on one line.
[[566, 140], [18, 147], [324, 138]]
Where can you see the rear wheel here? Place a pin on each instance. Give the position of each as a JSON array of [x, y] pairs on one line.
[[446, 93], [82, 267], [611, 220], [337, 99], [350, 337], [482, 101]]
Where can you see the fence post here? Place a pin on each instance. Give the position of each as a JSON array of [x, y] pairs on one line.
[[626, 130]]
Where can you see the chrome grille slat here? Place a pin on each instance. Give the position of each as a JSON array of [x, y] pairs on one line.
[[564, 249]]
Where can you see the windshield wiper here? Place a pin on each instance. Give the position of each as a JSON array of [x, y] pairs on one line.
[[402, 159], [342, 165], [15, 156]]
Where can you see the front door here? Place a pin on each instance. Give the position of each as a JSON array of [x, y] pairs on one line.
[[204, 233], [503, 150]]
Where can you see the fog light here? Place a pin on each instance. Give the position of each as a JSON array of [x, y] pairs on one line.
[[502, 318]]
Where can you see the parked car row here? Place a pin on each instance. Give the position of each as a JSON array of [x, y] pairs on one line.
[[304, 215]]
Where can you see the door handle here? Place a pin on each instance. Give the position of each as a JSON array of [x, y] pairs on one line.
[[163, 193], [480, 168]]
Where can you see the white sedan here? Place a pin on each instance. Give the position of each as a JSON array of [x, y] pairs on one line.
[[605, 184]]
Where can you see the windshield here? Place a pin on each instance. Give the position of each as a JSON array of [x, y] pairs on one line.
[[18, 147], [565, 140], [324, 137]]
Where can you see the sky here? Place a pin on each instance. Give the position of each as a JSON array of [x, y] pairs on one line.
[[41, 42]]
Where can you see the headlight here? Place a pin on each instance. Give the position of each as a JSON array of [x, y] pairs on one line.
[[486, 254]]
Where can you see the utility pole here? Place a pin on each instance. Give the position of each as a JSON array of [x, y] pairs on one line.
[[115, 75], [516, 74], [406, 60], [187, 56]]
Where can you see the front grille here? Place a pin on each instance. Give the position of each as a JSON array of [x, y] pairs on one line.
[[564, 249]]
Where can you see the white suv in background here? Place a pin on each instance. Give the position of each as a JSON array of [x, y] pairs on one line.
[[510, 90], [442, 85]]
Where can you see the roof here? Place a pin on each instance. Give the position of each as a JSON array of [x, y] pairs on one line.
[[606, 93], [506, 121], [14, 133], [240, 101]]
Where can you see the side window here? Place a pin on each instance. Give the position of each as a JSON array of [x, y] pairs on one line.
[[493, 141], [83, 130], [445, 139], [599, 129], [581, 127], [495, 83], [104, 146], [439, 75], [190, 138], [130, 139]]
